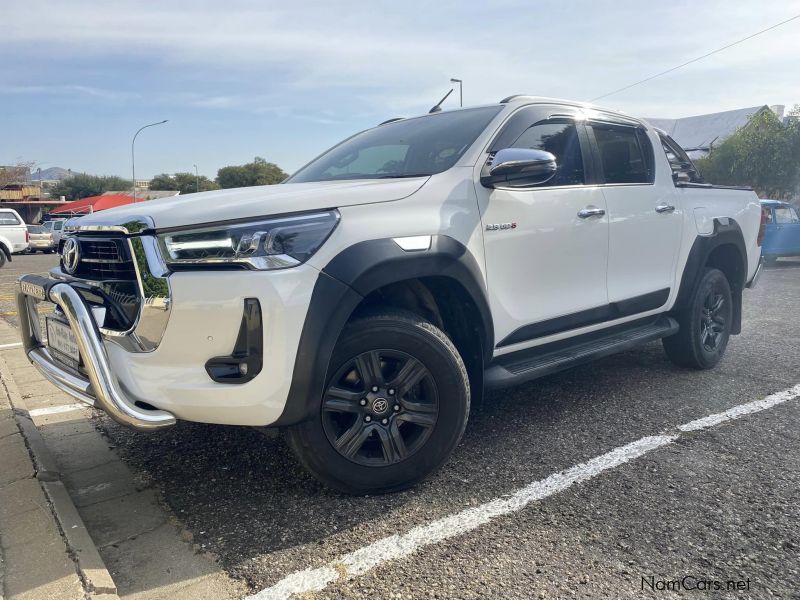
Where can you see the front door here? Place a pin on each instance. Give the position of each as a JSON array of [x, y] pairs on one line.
[[544, 262]]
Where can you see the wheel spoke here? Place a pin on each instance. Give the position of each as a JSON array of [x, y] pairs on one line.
[[351, 440], [716, 303], [409, 375], [394, 447], [341, 400], [369, 368], [425, 418], [704, 334]]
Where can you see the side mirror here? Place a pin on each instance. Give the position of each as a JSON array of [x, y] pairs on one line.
[[519, 167]]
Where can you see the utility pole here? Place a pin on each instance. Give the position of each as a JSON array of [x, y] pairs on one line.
[[460, 90], [196, 180], [133, 154]]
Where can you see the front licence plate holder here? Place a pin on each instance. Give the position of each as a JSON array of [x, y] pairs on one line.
[[62, 340]]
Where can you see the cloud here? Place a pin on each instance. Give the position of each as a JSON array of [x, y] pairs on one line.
[[355, 56]]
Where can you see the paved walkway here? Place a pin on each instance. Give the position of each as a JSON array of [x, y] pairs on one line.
[[146, 552], [34, 560]]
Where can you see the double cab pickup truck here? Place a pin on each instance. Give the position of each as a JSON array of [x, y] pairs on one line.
[[362, 304]]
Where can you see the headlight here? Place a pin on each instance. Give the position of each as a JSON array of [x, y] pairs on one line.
[[266, 244]]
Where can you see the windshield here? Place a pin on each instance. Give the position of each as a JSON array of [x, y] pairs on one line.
[[35, 229], [409, 148]]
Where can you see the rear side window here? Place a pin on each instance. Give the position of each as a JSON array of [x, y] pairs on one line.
[[561, 140], [8, 218], [786, 215], [625, 154]]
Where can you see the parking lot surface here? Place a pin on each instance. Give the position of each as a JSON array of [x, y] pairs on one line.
[[717, 504]]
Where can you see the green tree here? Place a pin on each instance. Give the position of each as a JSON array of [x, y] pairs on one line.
[[81, 186], [163, 182], [185, 183], [765, 154], [258, 172]]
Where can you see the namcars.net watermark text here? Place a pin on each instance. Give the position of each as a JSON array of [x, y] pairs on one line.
[[693, 583]]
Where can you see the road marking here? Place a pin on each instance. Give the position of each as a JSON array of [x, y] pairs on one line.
[[54, 410], [14, 345], [394, 547]]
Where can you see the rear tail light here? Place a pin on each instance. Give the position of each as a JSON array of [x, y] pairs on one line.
[[27, 236], [763, 228]]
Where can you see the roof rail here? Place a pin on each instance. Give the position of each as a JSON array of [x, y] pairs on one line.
[[392, 120], [515, 97]]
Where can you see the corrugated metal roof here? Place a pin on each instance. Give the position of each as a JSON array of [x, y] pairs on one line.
[[93, 204], [702, 130]]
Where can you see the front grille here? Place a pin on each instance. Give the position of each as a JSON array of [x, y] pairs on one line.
[[104, 259]]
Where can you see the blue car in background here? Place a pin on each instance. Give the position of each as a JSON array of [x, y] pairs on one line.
[[782, 233]]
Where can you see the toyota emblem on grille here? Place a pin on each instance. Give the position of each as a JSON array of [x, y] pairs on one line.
[[71, 255]]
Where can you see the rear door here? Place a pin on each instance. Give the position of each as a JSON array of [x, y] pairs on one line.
[[546, 266], [645, 216]]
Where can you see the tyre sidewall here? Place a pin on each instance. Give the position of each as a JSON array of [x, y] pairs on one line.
[[428, 345]]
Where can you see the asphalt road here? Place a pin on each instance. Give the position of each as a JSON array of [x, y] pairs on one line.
[[718, 504]]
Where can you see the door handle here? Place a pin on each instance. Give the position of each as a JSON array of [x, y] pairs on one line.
[[591, 211], [665, 208]]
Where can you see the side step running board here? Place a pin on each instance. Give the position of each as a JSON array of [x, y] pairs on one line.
[[543, 360]]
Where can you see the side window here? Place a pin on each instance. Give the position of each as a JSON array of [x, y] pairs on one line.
[[57, 225], [561, 140], [7, 218], [786, 215], [622, 155]]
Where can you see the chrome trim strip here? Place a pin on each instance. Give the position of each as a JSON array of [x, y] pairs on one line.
[[101, 388], [133, 226]]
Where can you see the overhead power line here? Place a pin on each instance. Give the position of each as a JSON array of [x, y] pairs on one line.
[[694, 60]]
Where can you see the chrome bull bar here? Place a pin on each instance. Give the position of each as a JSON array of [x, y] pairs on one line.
[[101, 388]]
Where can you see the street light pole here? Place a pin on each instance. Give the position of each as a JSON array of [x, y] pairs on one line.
[[460, 90], [133, 155], [196, 180]]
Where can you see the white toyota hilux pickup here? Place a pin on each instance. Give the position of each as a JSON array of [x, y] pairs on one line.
[[364, 302]]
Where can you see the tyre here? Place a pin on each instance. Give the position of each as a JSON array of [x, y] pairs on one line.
[[3, 259], [395, 406], [705, 326]]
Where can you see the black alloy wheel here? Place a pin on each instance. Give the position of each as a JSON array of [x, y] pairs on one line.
[[712, 320], [380, 408]]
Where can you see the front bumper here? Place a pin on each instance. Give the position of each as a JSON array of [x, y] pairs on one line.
[[97, 386], [41, 245]]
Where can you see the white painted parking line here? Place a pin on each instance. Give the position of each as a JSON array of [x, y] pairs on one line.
[[393, 547], [7, 346], [54, 410], [741, 410]]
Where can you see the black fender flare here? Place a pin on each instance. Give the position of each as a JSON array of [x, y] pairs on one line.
[[351, 276], [726, 231]]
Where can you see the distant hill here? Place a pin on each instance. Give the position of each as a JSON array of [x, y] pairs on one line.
[[51, 174]]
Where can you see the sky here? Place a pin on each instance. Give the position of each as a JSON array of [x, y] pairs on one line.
[[286, 80]]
